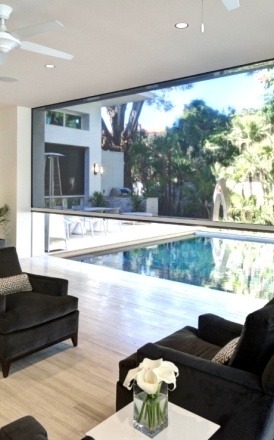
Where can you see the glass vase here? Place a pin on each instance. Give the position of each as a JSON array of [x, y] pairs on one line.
[[150, 413]]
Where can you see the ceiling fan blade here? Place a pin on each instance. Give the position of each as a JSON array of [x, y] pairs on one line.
[[33, 47], [37, 29], [3, 58], [231, 4]]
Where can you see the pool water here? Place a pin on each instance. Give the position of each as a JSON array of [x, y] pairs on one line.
[[236, 266]]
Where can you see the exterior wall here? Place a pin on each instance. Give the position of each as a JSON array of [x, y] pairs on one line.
[[15, 172], [113, 176], [90, 137], [112, 162]]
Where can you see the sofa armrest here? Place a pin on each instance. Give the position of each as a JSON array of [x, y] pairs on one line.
[[48, 285], [217, 330]]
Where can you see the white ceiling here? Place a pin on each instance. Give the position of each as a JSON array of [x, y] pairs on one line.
[[119, 44]]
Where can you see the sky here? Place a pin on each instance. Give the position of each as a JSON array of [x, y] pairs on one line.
[[237, 91]]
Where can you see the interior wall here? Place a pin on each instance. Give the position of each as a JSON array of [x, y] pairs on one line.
[[15, 175]]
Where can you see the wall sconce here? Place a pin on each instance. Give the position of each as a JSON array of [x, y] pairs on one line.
[[96, 168]]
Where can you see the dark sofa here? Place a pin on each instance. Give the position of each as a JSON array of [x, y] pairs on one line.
[[238, 396]]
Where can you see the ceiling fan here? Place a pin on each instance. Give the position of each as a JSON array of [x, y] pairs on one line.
[[10, 41], [231, 4]]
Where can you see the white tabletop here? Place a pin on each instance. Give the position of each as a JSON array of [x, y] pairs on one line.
[[182, 425]]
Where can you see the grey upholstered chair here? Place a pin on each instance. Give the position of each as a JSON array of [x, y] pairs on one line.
[[35, 311], [25, 428]]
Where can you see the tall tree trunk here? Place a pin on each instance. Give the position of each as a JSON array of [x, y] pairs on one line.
[[127, 170], [122, 135]]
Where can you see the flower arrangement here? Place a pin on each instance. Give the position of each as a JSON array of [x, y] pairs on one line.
[[150, 405]]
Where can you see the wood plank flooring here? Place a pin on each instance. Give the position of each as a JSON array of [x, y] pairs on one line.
[[70, 390]]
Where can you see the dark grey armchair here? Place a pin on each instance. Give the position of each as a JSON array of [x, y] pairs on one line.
[[238, 396], [35, 311], [25, 428]]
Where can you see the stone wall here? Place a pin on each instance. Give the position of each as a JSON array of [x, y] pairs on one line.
[[122, 202]]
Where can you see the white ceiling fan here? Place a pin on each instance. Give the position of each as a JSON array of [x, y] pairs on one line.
[[231, 4], [10, 41]]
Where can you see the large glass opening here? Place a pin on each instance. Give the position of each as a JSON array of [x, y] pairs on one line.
[[192, 148]]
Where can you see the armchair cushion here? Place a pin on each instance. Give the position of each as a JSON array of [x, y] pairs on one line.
[[256, 345], [217, 330], [268, 377], [27, 309], [187, 340], [9, 263], [15, 283]]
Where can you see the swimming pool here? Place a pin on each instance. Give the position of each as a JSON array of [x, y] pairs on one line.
[[236, 266]]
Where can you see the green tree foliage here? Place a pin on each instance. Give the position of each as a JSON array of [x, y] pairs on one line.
[[181, 166], [4, 213], [250, 176], [176, 165], [124, 118], [197, 124]]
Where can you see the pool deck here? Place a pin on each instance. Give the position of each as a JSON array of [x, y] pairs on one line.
[[130, 234]]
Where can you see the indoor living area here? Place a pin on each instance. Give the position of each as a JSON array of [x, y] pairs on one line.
[[136, 220]]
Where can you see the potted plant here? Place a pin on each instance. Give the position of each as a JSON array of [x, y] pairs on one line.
[[98, 199], [137, 202], [4, 218]]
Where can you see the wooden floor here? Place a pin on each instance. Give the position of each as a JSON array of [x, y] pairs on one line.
[[70, 390]]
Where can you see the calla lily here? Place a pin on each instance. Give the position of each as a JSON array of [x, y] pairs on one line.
[[167, 372], [150, 373], [131, 375], [147, 381]]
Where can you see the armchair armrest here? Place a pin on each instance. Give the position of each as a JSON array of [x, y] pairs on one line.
[[207, 370], [217, 330], [48, 285]]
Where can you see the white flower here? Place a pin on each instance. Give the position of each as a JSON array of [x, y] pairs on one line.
[[150, 373]]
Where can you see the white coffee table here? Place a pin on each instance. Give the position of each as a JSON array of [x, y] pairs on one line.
[[182, 425]]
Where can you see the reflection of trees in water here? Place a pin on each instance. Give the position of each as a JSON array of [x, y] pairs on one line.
[[229, 265], [243, 267], [189, 261]]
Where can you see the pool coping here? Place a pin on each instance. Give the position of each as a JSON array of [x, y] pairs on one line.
[[113, 247], [101, 249]]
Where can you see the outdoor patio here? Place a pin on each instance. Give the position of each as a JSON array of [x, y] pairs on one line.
[[120, 235]]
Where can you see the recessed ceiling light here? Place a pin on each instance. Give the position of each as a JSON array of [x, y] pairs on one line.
[[50, 66], [181, 25]]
